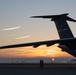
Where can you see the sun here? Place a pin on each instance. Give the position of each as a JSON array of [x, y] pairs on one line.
[[53, 59]]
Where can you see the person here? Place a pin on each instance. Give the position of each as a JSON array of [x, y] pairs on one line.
[[41, 63]]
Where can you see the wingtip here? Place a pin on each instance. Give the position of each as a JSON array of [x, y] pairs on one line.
[[34, 17]]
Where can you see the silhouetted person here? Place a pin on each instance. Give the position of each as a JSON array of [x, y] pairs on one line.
[[41, 63]]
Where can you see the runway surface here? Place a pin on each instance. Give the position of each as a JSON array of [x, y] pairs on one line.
[[35, 69]]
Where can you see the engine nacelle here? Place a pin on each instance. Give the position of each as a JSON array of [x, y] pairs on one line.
[[63, 47], [35, 46]]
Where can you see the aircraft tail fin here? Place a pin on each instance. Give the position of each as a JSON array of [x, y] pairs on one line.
[[61, 24]]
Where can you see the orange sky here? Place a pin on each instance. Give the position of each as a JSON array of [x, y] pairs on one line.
[[29, 52]]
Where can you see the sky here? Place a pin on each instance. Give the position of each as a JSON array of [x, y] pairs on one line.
[[16, 26]]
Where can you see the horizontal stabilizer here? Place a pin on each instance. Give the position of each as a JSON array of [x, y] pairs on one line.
[[55, 17], [70, 19], [48, 16]]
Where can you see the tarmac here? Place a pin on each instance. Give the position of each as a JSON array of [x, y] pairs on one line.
[[37, 69]]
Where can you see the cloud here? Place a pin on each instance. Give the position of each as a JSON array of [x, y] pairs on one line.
[[13, 28], [22, 37]]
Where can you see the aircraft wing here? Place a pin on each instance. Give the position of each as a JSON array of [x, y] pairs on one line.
[[36, 44]]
